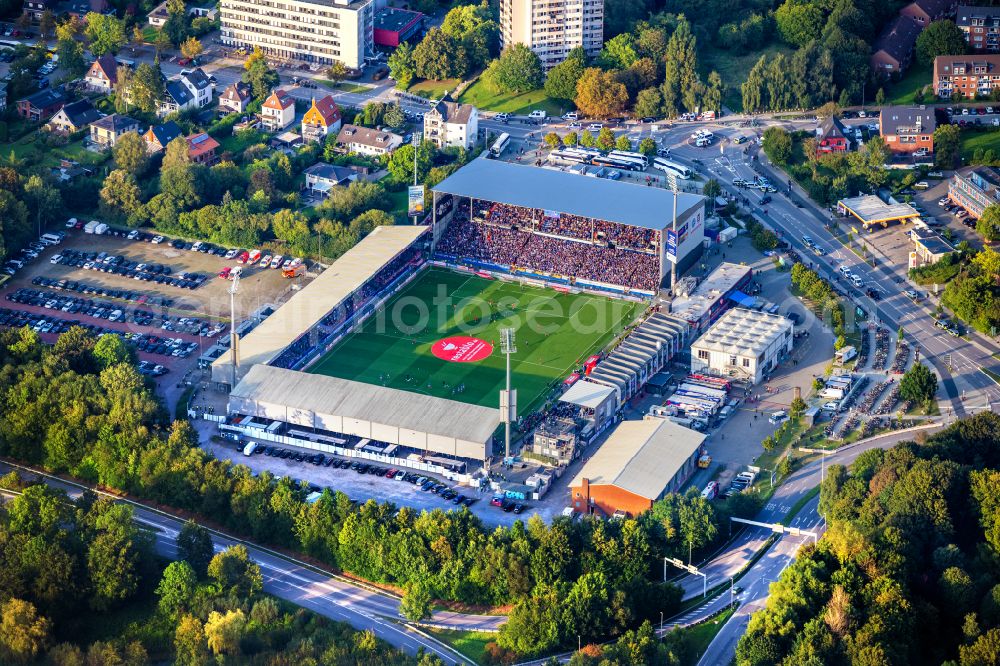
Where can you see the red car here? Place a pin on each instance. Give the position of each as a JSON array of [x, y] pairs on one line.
[[497, 501], [242, 257], [224, 273], [391, 473], [184, 61]]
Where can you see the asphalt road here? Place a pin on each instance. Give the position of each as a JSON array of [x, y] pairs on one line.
[[333, 597]]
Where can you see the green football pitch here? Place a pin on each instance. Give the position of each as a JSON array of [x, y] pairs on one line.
[[554, 332]]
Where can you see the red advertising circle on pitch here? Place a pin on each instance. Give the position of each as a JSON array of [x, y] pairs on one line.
[[461, 349]]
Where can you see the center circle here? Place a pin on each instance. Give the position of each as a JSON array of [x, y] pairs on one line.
[[461, 349]]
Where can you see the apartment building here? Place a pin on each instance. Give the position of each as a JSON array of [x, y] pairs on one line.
[[972, 76], [975, 190], [553, 28], [981, 26], [311, 31], [908, 130], [451, 123]]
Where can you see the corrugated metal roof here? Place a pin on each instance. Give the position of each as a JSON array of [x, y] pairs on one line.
[[641, 456], [563, 192], [587, 394], [320, 394], [307, 307]]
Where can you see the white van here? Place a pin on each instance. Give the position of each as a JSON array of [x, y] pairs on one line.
[[538, 114], [778, 417], [249, 449], [50, 239]]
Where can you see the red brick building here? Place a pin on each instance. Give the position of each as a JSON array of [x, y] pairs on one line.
[[640, 462], [981, 26], [892, 52], [908, 130], [971, 76], [925, 12]]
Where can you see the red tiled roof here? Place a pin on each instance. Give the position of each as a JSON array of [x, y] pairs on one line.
[[199, 144], [279, 99]]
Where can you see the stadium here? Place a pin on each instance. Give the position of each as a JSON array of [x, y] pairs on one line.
[[393, 353]]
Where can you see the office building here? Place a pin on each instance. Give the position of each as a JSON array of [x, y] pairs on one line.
[[746, 344]]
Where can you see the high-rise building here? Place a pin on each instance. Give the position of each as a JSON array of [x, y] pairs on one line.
[[312, 31], [553, 28]]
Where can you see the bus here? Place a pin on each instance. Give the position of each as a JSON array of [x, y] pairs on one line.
[[678, 170], [629, 155], [616, 162], [570, 156], [496, 150]]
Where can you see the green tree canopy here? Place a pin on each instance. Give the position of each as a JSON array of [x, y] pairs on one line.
[[517, 70], [940, 38]]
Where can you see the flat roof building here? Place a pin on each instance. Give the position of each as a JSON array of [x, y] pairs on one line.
[[975, 190], [393, 26], [928, 247], [746, 344], [712, 296], [640, 462], [871, 211], [553, 28]]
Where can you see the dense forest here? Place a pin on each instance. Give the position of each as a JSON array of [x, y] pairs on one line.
[[908, 571], [81, 407]]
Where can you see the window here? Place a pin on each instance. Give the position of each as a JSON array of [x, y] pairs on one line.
[[732, 360], [746, 363], [703, 354]]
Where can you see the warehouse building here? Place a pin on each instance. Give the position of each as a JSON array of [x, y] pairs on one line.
[[745, 344], [640, 462]]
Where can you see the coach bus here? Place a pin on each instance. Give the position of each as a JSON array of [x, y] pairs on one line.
[[629, 155], [569, 155], [669, 167], [616, 163], [496, 150]]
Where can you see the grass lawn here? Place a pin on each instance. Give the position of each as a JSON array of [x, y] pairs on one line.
[[236, 144], [33, 150], [979, 140], [901, 92], [520, 103], [470, 643], [149, 34], [432, 89], [733, 67], [700, 636], [556, 332], [345, 86]]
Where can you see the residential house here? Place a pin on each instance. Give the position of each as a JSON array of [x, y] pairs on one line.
[[74, 117], [832, 137], [322, 177], [971, 76], [158, 136], [975, 190], [981, 26], [158, 17], [40, 105], [367, 141], [35, 8], [451, 123], [278, 111], [79, 9], [103, 74], [908, 130], [191, 89], [107, 130], [236, 97], [892, 52], [322, 119], [201, 149], [925, 12]]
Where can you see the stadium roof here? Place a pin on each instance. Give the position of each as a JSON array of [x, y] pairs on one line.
[[563, 192], [308, 307], [587, 394], [872, 210], [641, 457], [306, 399]]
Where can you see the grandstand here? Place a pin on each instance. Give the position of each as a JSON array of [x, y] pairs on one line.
[[552, 226]]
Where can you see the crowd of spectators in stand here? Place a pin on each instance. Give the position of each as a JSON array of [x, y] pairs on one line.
[[505, 235], [302, 348]]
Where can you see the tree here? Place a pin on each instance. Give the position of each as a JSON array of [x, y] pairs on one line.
[[138, 37], [146, 87], [46, 24], [799, 21], [619, 52], [177, 587], [940, 38], [987, 261], [947, 146], [105, 32], [647, 147], [113, 555], [648, 103], [571, 139], [224, 631], [599, 94], [880, 97], [552, 140], [474, 27], [194, 545], [394, 116], [178, 22], [605, 139], [715, 90], [777, 144], [23, 633], [440, 56], [988, 226], [43, 200], [190, 645], [337, 72], [586, 139], [560, 82], [161, 42], [416, 603], [232, 570], [623, 143], [130, 154], [400, 163], [797, 407], [69, 49], [712, 189], [260, 77], [121, 203], [191, 48], [918, 384], [111, 350], [517, 70], [402, 67]]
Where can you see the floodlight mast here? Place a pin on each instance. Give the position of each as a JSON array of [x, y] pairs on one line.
[[508, 397], [234, 338]]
